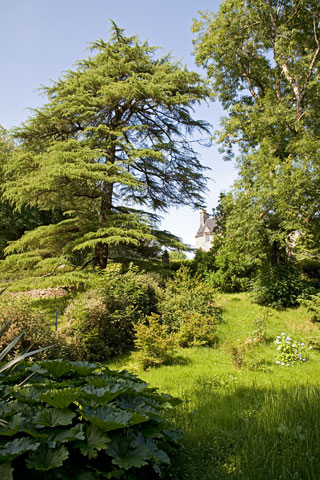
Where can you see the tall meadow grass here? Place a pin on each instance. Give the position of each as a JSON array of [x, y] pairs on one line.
[[257, 422]]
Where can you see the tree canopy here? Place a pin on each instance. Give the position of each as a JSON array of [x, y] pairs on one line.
[[13, 224], [262, 59], [110, 146]]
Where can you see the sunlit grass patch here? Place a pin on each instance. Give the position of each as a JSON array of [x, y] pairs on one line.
[[257, 422]]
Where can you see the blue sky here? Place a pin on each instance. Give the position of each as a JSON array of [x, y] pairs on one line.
[[42, 38]]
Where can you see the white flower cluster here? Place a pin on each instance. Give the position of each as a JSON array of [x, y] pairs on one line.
[[289, 350]]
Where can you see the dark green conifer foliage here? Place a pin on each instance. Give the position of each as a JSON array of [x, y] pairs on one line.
[[13, 224], [111, 141]]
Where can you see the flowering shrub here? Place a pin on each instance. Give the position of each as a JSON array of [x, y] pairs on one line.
[[289, 350]]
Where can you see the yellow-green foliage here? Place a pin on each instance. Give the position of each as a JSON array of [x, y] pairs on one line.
[[99, 322], [154, 342], [196, 330], [85, 326], [188, 317], [37, 331], [188, 308], [187, 294]]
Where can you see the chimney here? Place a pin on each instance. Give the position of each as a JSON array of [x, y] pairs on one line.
[[203, 216]]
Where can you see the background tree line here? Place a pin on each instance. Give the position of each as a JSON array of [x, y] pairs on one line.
[[262, 62], [112, 144]]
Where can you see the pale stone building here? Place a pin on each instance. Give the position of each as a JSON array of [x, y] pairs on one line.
[[205, 232]]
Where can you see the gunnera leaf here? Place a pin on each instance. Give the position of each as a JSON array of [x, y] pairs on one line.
[[103, 395], [63, 435], [126, 454], [113, 475], [13, 426], [51, 417], [83, 368], [157, 454], [27, 394], [56, 368], [46, 458], [107, 418], [96, 440], [142, 410], [60, 398], [6, 471], [173, 435], [13, 449], [87, 476]]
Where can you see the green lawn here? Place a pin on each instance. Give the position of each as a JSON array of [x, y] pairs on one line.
[[257, 422]]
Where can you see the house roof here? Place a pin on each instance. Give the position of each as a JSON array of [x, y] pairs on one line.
[[207, 227]]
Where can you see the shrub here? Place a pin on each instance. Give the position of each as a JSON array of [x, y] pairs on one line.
[[88, 328], [188, 317], [38, 333], [230, 274], [132, 288], [278, 285], [154, 342], [238, 351], [260, 324], [187, 295], [100, 321], [311, 271], [289, 351], [196, 330], [312, 304], [74, 421]]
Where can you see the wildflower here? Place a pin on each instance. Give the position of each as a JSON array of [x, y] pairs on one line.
[[304, 359], [310, 348], [278, 362], [294, 346], [302, 344], [282, 363], [283, 334], [289, 339], [288, 364], [279, 337], [278, 348]]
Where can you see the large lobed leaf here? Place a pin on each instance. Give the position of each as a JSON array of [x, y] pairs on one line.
[[70, 417]]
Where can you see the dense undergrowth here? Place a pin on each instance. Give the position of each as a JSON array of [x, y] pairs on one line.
[[244, 416], [119, 309], [255, 421]]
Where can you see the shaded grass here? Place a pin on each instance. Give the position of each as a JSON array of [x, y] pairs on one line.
[[260, 422], [249, 434]]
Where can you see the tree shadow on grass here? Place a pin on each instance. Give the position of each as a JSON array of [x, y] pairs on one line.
[[180, 360], [250, 434]]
